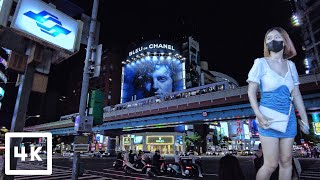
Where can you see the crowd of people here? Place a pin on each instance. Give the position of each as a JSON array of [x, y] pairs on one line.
[[312, 152], [139, 159], [229, 165]]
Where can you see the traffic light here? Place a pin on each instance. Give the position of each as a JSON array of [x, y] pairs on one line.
[[96, 104]]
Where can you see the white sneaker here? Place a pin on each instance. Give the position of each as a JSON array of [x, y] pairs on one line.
[[200, 175]]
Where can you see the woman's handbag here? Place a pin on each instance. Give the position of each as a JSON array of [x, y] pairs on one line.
[[280, 120]]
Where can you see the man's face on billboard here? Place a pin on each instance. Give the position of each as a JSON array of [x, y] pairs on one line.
[[161, 81]]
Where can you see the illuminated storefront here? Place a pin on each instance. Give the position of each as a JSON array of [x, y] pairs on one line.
[[162, 143], [233, 135], [99, 143], [316, 128], [166, 142]]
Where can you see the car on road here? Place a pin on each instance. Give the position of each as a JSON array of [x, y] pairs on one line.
[[210, 152], [100, 154], [245, 153], [67, 153], [87, 154]]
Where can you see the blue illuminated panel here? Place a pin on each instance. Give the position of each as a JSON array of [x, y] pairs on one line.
[[37, 18]]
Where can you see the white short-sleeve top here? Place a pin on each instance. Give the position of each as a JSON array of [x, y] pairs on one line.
[[261, 73]]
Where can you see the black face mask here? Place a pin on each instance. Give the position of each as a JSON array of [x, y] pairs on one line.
[[275, 46]]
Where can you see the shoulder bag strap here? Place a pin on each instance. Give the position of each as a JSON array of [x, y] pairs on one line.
[[291, 97]]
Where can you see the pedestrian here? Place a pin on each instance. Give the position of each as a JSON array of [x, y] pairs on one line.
[[193, 158], [278, 80], [131, 157], [126, 156], [177, 161], [229, 168]]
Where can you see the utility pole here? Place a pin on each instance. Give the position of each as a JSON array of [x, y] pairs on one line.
[[20, 109], [85, 82]]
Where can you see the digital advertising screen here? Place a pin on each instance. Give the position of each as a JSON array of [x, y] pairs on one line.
[[246, 131], [138, 140], [155, 72], [224, 129], [179, 140], [99, 138]]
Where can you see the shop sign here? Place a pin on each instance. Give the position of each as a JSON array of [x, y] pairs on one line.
[[127, 140], [316, 127], [315, 117], [160, 139], [204, 114], [38, 19]]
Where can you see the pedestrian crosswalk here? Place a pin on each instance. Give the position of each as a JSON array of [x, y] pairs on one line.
[[312, 172], [58, 173], [101, 170], [309, 175], [65, 173]]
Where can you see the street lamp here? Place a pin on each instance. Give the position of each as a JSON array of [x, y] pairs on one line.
[[35, 116], [296, 20]]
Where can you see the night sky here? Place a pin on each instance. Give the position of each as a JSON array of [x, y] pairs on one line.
[[230, 34]]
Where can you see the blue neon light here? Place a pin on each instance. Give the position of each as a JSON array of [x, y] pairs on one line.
[[40, 19]]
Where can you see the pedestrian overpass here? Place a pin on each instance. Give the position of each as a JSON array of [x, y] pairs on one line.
[[203, 104]]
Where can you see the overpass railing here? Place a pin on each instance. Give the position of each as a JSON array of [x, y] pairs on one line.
[[173, 99], [208, 92], [194, 97]]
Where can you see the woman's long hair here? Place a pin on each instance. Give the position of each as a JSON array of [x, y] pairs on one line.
[[230, 168]]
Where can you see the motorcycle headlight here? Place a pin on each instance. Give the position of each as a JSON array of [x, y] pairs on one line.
[[186, 172]]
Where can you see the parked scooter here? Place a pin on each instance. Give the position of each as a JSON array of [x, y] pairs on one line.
[[174, 170], [161, 167], [147, 168], [190, 169]]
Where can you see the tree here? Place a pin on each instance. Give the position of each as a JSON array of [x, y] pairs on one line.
[[193, 140], [311, 137]]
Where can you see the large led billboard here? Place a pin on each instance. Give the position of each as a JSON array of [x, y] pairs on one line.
[[154, 69], [41, 20]]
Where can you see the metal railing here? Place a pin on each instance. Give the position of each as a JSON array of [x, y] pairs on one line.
[[192, 96], [219, 86], [208, 92]]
